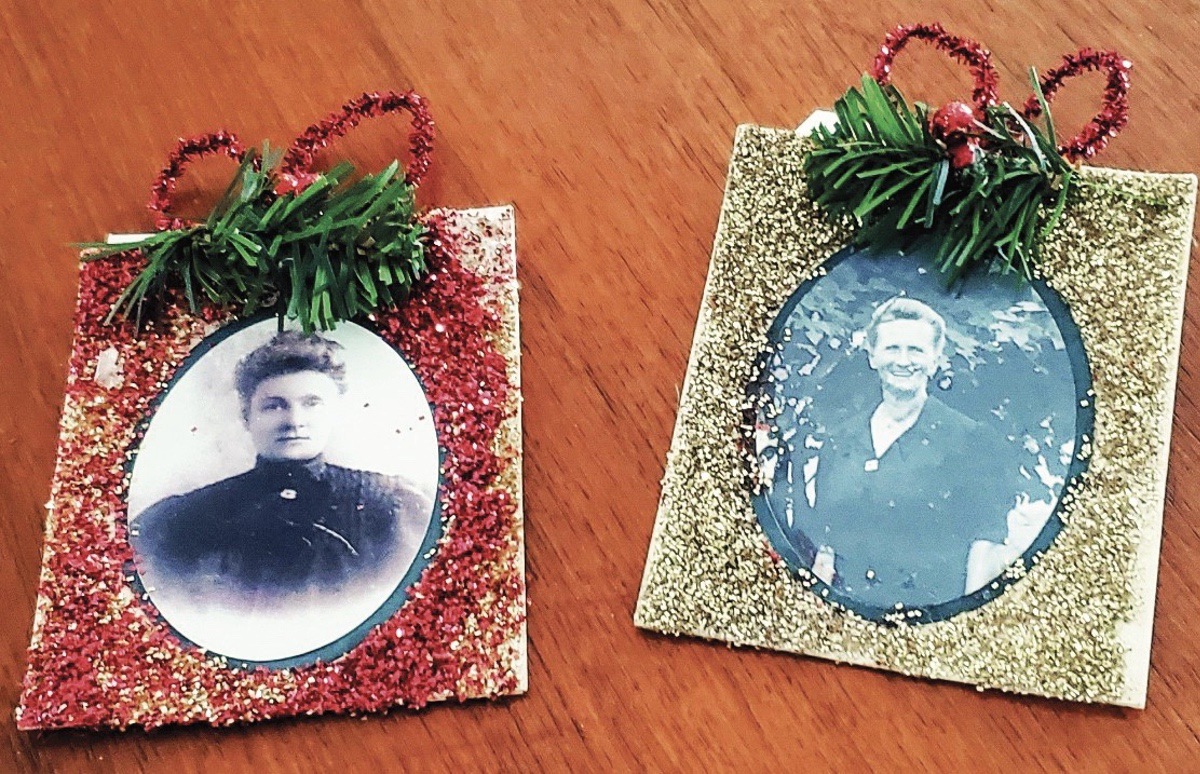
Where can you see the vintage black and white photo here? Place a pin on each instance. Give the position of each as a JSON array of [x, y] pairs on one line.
[[913, 439], [284, 490]]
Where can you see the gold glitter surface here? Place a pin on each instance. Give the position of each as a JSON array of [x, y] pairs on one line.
[[1076, 626]]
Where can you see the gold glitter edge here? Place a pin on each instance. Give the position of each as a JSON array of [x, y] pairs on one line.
[[1137, 633], [661, 517]]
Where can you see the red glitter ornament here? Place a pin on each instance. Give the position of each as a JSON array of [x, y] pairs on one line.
[[290, 183], [101, 656], [963, 153], [99, 661], [953, 118]]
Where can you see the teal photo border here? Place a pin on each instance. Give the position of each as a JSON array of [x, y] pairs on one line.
[[777, 533]]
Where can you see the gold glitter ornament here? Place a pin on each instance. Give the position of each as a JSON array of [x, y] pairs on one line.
[[1074, 621]]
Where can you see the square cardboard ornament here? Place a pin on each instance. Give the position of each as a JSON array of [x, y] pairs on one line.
[[234, 537], [963, 483]]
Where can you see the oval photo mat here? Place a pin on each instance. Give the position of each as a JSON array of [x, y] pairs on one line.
[[1014, 363], [363, 349]]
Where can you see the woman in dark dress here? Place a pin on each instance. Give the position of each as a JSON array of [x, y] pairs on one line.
[[892, 502], [293, 523]]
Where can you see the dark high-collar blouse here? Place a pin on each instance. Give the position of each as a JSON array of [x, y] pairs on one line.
[[278, 528]]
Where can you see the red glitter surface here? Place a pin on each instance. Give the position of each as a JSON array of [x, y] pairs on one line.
[[99, 655]]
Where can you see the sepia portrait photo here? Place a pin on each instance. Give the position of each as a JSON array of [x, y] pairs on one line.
[[284, 491], [912, 440]]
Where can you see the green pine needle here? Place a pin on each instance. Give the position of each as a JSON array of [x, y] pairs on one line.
[[881, 166], [331, 252]]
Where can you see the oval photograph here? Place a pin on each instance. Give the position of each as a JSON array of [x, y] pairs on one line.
[[284, 492], [913, 440]]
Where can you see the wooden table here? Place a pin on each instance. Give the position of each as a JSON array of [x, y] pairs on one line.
[[609, 125]]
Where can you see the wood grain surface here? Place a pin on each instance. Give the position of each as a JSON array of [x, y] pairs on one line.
[[609, 125]]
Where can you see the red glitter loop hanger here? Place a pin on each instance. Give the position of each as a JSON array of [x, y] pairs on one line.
[[298, 159], [969, 52], [296, 168], [188, 149], [1114, 113], [1091, 139]]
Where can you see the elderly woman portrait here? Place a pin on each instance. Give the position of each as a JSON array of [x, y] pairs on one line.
[[893, 501], [293, 522]]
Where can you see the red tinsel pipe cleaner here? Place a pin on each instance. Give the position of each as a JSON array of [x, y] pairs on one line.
[[299, 158], [188, 149], [1114, 113], [296, 168], [1091, 139], [965, 50]]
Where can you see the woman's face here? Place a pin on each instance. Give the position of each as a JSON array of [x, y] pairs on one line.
[[905, 355], [292, 416]]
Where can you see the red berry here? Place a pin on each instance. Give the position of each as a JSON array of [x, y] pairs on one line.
[[962, 153], [290, 183], [950, 119]]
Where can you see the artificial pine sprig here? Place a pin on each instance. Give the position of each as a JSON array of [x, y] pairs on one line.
[[990, 191], [321, 254]]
